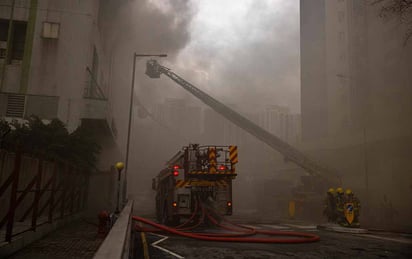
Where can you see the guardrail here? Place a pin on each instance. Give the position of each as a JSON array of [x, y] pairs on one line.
[[37, 192], [118, 243]]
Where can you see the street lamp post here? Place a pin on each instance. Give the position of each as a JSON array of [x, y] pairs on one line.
[[119, 166], [135, 55]]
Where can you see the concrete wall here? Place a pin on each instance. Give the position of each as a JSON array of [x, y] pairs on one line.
[[314, 92], [119, 242]]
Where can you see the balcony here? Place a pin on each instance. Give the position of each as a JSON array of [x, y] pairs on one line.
[[94, 108], [14, 105]]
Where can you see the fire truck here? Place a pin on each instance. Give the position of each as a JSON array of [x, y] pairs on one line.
[[196, 174]]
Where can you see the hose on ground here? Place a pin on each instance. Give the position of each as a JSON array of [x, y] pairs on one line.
[[298, 237], [239, 233]]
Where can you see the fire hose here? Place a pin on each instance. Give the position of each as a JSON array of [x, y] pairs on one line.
[[236, 235]]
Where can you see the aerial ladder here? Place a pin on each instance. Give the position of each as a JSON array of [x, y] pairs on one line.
[[320, 177]]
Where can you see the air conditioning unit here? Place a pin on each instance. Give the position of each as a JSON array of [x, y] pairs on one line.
[[50, 30]]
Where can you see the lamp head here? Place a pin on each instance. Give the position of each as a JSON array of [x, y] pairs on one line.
[[119, 166]]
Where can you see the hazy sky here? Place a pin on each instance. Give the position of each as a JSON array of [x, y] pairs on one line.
[[243, 52]]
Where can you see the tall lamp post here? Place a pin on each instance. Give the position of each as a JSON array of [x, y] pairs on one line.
[[135, 56], [119, 166]]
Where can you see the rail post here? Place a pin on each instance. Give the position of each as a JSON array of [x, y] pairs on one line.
[[71, 195], [37, 193], [13, 196], [64, 188], [53, 191]]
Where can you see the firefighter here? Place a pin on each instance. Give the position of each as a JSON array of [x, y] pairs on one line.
[[350, 198], [330, 205], [340, 203]]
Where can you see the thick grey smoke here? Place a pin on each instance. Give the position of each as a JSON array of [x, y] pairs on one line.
[[250, 57], [143, 27]]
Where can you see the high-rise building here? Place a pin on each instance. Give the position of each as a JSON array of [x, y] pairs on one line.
[[353, 69], [313, 69], [355, 96]]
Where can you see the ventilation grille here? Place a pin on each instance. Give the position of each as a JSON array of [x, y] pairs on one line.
[[15, 105]]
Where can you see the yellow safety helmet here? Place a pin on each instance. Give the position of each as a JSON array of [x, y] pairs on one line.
[[349, 192], [331, 190], [339, 190]]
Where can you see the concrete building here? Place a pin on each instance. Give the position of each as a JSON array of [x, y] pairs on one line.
[[355, 98], [54, 64]]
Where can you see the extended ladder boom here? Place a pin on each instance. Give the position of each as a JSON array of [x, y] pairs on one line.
[[154, 69]]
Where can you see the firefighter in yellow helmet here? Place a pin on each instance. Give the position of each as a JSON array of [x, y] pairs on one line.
[[352, 202], [340, 201], [330, 205]]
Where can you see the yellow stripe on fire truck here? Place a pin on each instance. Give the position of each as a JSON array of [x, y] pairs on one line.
[[199, 172], [221, 183], [212, 160], [206, 172], [181, 183], [233, 154]]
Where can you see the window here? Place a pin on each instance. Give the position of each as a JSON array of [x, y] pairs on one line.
[[342, 56], [19, 39], [341, 16], [4, 26], [341, 36], [16, 50]]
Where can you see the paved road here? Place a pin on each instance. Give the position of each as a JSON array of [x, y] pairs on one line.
[[332, 245], [77, 240]]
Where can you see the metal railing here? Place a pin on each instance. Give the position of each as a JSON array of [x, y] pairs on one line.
[[93, 89], [38, 192]]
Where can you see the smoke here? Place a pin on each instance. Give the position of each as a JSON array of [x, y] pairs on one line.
[[248, 55], [141, 27], [244, 53]]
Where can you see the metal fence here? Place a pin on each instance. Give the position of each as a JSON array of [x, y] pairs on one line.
[[35, 191]]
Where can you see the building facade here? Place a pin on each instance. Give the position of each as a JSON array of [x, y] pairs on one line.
[[355, 98], [54, 64]]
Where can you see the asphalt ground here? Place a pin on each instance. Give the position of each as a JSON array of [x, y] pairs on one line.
[[331, 245]]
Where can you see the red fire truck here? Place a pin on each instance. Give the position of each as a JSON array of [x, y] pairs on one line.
[[195, 174]]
